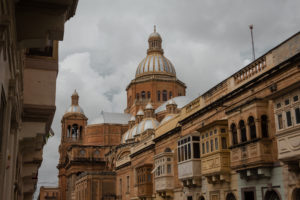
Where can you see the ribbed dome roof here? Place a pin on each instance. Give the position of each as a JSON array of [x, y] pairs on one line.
[[155, 61]]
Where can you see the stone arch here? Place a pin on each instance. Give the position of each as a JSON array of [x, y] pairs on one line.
[[201, 198], [296, 194], [272, 195], [230, 196]]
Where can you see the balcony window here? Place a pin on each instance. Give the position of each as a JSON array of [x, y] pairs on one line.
[[216, 144], [288, 118], [279, 121], [188, 148], [207, 147], [296, 98], [278, 105], [264, 126], [203, 148], [297, 115], [211, 145], [243, 131], [252, 127], [170, 95], [234, 134], [224, 143]]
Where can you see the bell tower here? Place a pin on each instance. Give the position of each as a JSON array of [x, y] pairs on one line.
[[73, 125]]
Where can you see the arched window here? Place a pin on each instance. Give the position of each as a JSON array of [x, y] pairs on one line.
[[170, 95], [74, 131], [230, 196], [69, 131], [234, 134], [137, 96], [252, 127], [264, 126], [271, 195], [143, 95], [148, 95], [243, 131], [165, 95], [158, 95]]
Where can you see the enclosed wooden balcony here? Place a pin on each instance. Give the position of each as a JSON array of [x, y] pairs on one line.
[[215, 155], [164, 172], [144, 181], [189, 162]]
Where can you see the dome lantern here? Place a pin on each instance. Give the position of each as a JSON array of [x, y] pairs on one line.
[[75, 98], [75, 108], [155, 42]]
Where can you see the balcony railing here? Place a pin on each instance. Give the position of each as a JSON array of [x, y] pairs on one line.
[[250, 70], [145, 189]]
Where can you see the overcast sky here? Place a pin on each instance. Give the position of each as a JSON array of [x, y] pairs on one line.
[[206, 41]]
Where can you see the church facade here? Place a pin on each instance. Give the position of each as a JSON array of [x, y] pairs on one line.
[[238, 140]]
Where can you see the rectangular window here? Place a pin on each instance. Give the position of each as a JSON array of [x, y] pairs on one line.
[[287, 102], [185, 152], [216, 144], [278, 105], [203, 148], [196, 147], [215, 131], [128, 186], [224, 143], [295, 98], [169, 170], [196, 138], [223, 130], [207, 147], [297, 115], [210, 133], [189, 151], [279, 119], [288, 118], [179, 154], [211, 145]]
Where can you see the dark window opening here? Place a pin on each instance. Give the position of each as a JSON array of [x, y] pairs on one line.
[[288, 118], [252, 127], [297, 115], [170, 95], [196, 147], [280, 122], [295, 98], [158, 95], [46, 51], [234, 134], [264, 126], [143, 95], [243, 131], [148, 95], [224, 143], [165, 95]]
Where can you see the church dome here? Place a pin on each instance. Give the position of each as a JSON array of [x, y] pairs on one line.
[[155, 61]]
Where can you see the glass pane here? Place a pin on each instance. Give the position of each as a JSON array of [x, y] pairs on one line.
[[288, 118]]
